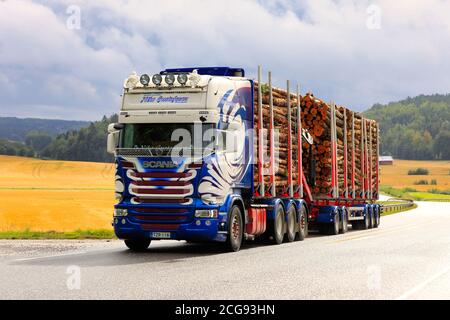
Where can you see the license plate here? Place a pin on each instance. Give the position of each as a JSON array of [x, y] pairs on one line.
[[161, 235]]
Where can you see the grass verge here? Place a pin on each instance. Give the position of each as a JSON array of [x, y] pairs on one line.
[[413, 194], [77, 234]]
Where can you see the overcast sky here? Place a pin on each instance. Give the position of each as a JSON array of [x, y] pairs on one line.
[[68, 59]]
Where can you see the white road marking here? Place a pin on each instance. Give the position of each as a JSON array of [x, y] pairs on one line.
[[51, 256], [422, 285]]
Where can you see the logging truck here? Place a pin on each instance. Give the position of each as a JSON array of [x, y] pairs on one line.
[[207, 154]]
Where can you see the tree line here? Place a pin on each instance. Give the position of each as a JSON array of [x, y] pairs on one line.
[[85, 144], [415, 128]]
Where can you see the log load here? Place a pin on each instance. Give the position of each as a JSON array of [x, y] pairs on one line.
[[356, 144]]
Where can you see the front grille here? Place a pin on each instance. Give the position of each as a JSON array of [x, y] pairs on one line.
[[159, 215]]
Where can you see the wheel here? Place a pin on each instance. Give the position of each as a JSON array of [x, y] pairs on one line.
[[333, 228], [291, 224], [377, 217], [302, 225], [235, 230], [365, 222], [344, 224], [137, 244], [371, 218], [276, 227]]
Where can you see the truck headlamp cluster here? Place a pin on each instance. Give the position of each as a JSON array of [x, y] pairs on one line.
[[118, 212], [162, 80], [144, 80], [214, 213], [157, 79]]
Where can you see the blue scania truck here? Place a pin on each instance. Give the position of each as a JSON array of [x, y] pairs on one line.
[[190, 151]]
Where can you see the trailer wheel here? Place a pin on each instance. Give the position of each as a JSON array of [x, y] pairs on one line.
[[377, 217], [371, 217], [137, 244], [276, 227], [235, 230], [333, 228], [365, 223], [302, 225], [291, 224], [344, 224]]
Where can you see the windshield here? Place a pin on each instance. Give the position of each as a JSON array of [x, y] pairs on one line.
[[168, 135]]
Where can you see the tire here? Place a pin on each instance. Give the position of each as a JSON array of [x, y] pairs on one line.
[[137, 244], [344, 223], [333, 228], [302, 225], [291, 225], [276, 227], [235, 230], [365, 222], [371, 218], [377, 217]]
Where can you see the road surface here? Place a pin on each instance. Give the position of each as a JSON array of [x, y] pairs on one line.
[[408, 257]]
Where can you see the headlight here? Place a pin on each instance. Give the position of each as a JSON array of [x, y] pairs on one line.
[[214, 213], [118, 212], [182, 78], [170, 79], [145, 80], [157, 79]]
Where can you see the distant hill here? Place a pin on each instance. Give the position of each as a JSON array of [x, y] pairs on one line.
[[415, 128], [16, 129], [85, 144]]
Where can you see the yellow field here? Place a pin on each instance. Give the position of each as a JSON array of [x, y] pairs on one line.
[[397, 175], [43, 195]]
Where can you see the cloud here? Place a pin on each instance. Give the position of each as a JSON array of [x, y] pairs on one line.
[[325, 45]]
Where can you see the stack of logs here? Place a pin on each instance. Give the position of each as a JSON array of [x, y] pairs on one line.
[[316, 118]]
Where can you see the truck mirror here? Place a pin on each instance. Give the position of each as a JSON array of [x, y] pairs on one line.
[[115, 127], [112, 142]]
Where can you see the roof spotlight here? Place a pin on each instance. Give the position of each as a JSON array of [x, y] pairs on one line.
[[170, 79], [145, 80], [157, 79], [131, 81], [182, 78]]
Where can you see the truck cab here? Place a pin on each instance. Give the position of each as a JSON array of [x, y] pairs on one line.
[[183, 153]]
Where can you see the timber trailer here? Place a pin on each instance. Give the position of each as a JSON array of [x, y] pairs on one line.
[[206, 154]]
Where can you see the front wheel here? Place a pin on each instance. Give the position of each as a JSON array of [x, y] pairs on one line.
[[235, 230], [137, 244]]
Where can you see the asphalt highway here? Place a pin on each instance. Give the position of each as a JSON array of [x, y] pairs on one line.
[[407, 257]]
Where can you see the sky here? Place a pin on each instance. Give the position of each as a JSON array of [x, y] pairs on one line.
[[68, 59]]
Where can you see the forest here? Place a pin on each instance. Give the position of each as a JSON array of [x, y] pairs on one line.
[[412, 129], [415, 128]]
